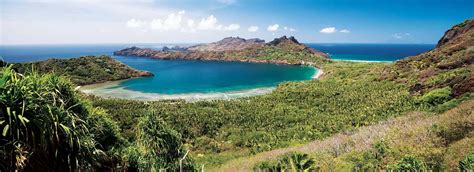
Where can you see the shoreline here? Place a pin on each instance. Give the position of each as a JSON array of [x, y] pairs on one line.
[[362, 61], [111, 89], [318, 74], [103, 91]]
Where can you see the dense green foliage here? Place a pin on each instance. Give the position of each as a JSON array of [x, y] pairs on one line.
[[467, 164], [157, 146], [437, 96], [47, 125], [285, 52], [295, 112], [83, 70], [408, 163], [439, 143], [290, 162]]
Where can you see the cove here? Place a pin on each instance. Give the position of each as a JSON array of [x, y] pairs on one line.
[[196, 80]]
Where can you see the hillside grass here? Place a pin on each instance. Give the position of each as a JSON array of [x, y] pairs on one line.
[[420, 141]]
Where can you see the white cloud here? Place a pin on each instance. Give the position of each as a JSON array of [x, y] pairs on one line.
[[273, 28], [232, 27], [328, 30], [179, 22], [253, 28], [292, 30], [134, 23], [208, 23], [172, 22], [345, 31], [190, 23], [400, 35]]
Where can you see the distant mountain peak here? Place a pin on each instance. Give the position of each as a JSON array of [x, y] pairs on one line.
[[229, 44], [284, 39]]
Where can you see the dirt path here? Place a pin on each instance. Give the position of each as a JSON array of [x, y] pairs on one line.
[[336, 145]]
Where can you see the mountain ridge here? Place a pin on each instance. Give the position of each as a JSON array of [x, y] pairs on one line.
[[281, 50]]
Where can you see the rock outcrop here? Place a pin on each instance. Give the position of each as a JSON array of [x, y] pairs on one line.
[[282, 50]]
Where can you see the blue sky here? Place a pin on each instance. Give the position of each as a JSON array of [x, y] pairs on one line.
[[191, 21]]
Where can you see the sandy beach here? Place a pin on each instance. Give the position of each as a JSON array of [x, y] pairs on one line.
[[318, 74], [110, 90]]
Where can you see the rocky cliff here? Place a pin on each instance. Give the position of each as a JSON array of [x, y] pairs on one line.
[[450, 64], [282, 50]]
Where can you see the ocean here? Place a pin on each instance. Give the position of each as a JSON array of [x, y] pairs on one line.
[[199, 78]]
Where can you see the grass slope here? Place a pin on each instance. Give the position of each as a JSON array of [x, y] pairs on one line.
[[440, 141]]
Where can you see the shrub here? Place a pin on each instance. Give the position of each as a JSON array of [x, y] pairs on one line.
[[158, 147], [436, 96], [408, 163], [44, 124], [289, 162], [468, 163]]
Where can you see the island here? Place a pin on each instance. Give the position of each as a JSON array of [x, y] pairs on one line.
[[283, 50]]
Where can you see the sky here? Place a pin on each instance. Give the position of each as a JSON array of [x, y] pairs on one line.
[[192, 21]]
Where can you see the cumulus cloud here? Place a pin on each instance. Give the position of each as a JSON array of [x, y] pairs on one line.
[[172, 22], [253, 28], [208, 23], [179, 22], [345, 31], [232, 27], [273, 28], [134, 23], [328, 30]]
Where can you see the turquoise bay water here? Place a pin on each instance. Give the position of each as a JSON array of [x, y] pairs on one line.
[[204, 79], [190, 76]]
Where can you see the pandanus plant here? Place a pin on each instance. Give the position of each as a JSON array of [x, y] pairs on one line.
[[42, 122]]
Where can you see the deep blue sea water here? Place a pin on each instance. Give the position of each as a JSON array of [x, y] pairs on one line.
[[180, 76], [372, 52]]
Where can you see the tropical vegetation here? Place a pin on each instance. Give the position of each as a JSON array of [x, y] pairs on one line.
[[83, 70], [48, 125]]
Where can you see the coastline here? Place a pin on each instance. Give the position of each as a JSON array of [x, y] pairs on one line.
[[318, 74], [362, 61], [111, 90]]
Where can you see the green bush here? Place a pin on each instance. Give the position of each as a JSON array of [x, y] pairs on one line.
[[468, 163], [408, 163], [289, 162], [45, 124], [437, 96], [158, 147]]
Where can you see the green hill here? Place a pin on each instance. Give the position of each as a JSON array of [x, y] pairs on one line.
[[84, 70]]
